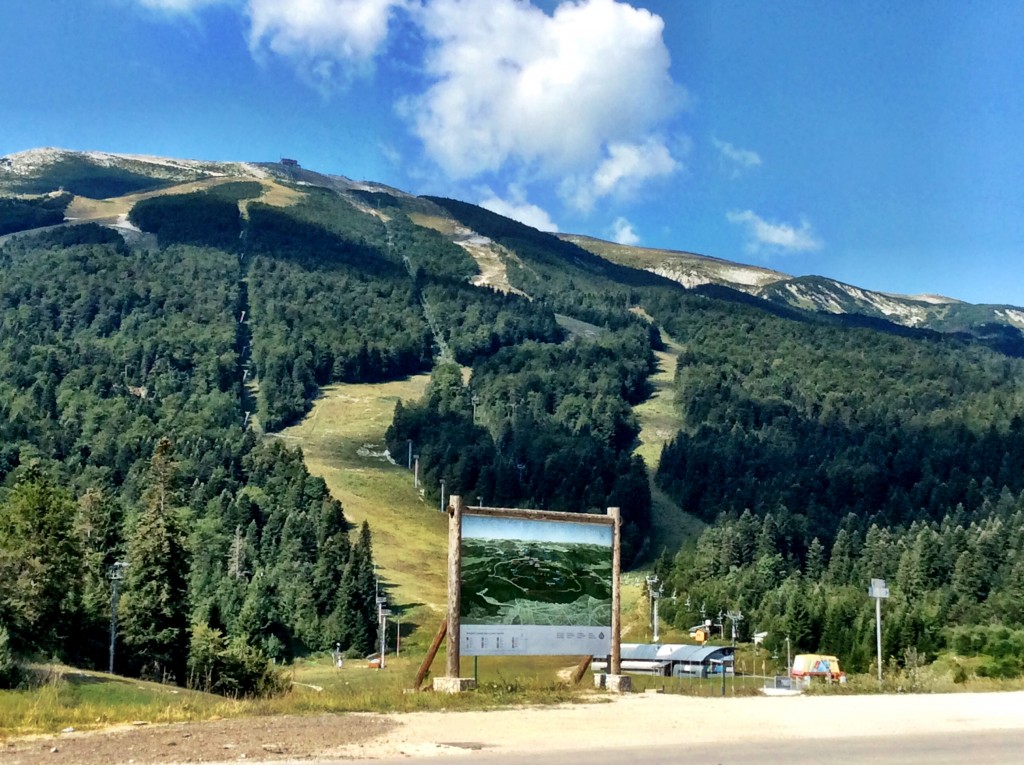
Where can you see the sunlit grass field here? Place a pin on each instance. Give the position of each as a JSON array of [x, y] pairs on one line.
[[659, 422]]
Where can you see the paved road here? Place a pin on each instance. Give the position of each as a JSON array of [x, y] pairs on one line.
[[1001, 747]]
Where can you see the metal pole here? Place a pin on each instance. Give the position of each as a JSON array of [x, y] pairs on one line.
[[113, 623], [656, 600], [116, 575], [383, 633], [878, 634]]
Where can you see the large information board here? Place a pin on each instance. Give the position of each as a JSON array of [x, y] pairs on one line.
[[535, 587]]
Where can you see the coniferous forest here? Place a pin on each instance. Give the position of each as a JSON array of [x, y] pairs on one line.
[[819, 452]]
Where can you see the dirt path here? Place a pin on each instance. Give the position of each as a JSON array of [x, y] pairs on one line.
[[620, 721]]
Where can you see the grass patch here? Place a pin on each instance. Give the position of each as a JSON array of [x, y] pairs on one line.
[[343, 443], [90, 700], [83, 700], [659, 423]]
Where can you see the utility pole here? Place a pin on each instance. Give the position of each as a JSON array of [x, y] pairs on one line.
[[410, 453], [416, 471], [878, 591], [442, 495], [116, 574], [734, 617]]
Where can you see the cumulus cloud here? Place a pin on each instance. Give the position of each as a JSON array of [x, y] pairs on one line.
[[626, 167], [583, 92], [763, 236], [321, 36], [513, 85], [735, 159], [623, 233], [321, 33], [518, 208]]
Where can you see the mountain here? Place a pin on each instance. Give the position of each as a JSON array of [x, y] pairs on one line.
[[161, 320], [102, 175], [814, 293]]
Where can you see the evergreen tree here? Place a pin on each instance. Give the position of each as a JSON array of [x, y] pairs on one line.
[[154, 610], [40, 576]]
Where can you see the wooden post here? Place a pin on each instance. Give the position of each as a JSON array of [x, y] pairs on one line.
[[454, 584], [431, 653], [581, 669], [616, 662]]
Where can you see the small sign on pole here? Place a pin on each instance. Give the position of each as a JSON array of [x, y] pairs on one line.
[[878, 590]]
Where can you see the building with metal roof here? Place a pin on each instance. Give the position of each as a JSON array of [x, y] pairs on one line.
[[673, 660]]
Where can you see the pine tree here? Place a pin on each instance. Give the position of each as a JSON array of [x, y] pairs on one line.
[[154, 610], [815, 567], [40, 574]]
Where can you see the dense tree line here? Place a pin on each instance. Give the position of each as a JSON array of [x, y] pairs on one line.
[[121, 428], [540, 425], [825, 456], [22, 214], [476, 322], [203, 218], [326, 308], [955, 584], [828, 422]]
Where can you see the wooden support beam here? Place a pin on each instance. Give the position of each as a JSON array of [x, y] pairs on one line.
[[581, 669], [431, 653]]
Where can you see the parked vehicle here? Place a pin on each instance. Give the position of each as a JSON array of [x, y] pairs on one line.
[[810, 665]]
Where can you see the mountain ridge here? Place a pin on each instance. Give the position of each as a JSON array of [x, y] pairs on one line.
[[28, 171]]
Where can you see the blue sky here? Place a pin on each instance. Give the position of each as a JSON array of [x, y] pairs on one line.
[[490, 527], [875, 142]]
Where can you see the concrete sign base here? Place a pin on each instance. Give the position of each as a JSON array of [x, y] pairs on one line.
[[614, 683], [454, 684]]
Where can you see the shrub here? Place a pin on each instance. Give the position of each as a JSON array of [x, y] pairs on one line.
[[230, 667], [11, 672]]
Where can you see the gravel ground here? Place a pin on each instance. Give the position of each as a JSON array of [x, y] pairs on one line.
[[635, 718]]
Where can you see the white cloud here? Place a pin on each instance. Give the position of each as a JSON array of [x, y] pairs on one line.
[[583, 92], [321, 34], [735, 159], [179, 6], [623, 232], [624, 169], [517, 208], [763, 236], [551, 94]]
